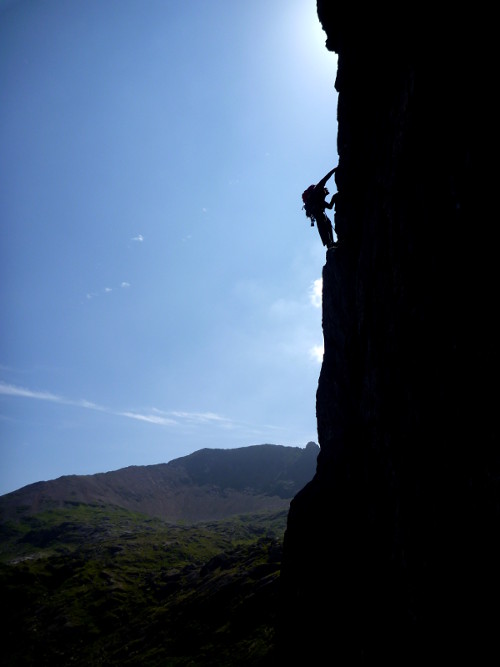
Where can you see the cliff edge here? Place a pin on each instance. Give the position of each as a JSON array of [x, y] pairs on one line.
[[391, 551]]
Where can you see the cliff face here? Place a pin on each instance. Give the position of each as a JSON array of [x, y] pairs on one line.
[[391, 551]]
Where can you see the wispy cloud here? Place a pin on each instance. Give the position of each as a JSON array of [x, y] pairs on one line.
[[125, 284], [151, 418], [200, 417], [154, 416], [139, 238], [23, 392], [12, 390]]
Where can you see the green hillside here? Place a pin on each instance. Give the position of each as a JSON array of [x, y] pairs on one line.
[[89, 585]]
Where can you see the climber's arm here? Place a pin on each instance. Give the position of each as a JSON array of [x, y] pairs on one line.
[[330, 205], [323, 181]]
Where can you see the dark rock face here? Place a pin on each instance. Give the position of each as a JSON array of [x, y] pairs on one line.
[[391, 551]]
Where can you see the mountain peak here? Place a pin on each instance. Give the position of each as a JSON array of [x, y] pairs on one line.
[[205, 485]]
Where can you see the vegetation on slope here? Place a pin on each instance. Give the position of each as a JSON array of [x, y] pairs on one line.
[[90, 584]]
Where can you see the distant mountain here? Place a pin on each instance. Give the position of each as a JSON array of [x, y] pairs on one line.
[[169, 564], [210, 484]]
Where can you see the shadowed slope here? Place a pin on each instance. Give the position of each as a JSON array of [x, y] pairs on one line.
[[208, 484]]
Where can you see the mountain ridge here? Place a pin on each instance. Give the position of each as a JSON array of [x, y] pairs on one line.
[[208, 484]]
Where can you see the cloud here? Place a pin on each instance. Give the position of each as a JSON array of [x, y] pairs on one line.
[[317, 352], [154, 416], [11, 390], [139, 238], [206, 422], [201, 417], [316, 293], [152, 419], [105, 290]]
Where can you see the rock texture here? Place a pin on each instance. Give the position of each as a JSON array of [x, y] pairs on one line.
[[391, 551]]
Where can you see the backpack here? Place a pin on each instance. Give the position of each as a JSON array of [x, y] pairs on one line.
[[306, 195]]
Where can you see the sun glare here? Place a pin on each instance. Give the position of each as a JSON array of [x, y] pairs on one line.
[[309, 40]]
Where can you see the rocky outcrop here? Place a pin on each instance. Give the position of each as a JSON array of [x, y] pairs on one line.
[[391, 551]]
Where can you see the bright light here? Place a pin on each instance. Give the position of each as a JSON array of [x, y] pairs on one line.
[[317, 352], [312, 57], [316, 294]]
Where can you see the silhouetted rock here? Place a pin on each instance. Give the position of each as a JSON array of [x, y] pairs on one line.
[[391, 552]]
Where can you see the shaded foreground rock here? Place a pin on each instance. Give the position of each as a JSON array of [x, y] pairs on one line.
[[391, 552]]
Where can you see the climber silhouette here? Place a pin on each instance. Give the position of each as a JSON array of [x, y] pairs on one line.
[[315, 203]]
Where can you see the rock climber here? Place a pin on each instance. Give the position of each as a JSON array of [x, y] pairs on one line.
[[314, 199]]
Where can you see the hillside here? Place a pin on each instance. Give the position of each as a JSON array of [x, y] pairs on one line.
[[91, 585], [209, 484], [173, 564]]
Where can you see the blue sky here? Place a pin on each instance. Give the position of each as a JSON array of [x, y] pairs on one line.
[[160, 285]]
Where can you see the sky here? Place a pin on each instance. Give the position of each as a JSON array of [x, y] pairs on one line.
[[160, 285]]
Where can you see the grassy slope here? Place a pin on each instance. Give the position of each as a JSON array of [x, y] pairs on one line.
[[98, 585]]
